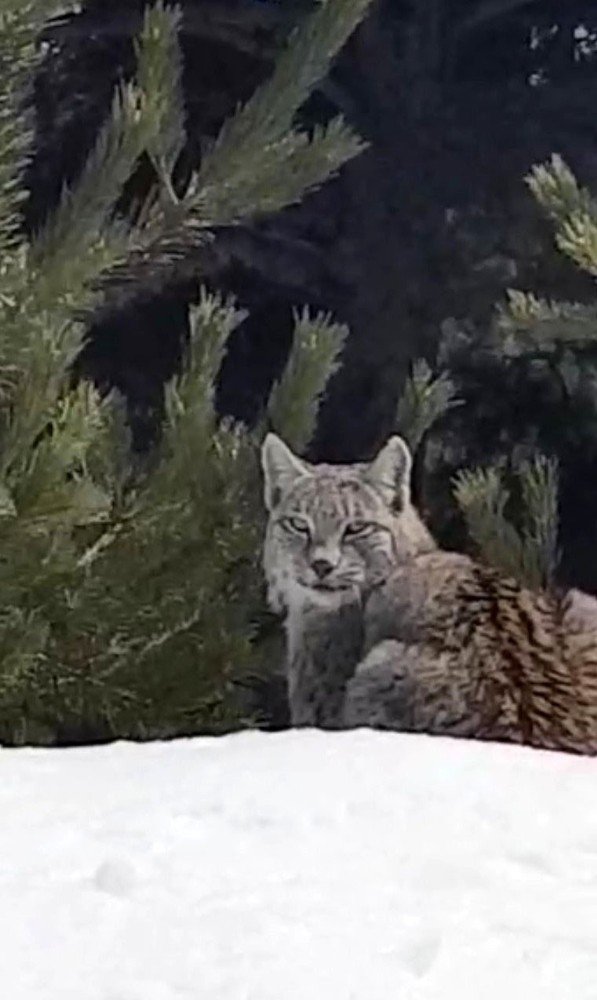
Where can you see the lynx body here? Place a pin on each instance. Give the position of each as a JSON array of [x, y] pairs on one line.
[[384, 629]]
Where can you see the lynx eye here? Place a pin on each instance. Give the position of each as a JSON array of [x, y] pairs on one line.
[[297, 525], [358, 529]]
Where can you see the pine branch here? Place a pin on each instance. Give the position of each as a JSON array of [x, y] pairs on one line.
[[425, 398], [540, 327], [109, 459], [529, 324], [57, 276], [556, 189], [80, 229], [51, 485], [314, 357], [17, 58], [539, 480], [531, 556], [189, 396], [284, 173], [482, 498], [150, 608], [279, 174], [189, 545], [571, 207], [258, 163], [159, 77], [578, 240], [21, 22], [269, 114], [23, 639]]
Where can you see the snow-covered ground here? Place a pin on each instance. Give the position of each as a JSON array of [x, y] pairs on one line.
[[298, 866]]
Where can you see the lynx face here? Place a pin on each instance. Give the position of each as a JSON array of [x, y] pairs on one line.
[[332, 529]]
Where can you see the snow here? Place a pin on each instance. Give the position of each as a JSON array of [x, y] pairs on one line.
[[298, 866]]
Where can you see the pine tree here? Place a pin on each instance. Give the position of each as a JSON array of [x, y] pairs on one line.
[[526, 547], [128, 594], [511, 506], [557, 338]]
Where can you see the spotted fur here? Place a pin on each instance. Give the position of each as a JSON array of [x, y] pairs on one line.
[[386, 630]]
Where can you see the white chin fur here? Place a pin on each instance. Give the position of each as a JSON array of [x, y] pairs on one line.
[[297, 595]]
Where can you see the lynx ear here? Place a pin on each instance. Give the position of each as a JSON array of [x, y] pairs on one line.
[[280, 469], [390, 472]]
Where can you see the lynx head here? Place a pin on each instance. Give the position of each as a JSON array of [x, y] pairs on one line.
[[336, 528]]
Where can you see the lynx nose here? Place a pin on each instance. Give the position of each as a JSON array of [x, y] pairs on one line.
[[322, 567]]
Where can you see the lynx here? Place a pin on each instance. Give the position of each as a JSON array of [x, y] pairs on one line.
[[386, 630]]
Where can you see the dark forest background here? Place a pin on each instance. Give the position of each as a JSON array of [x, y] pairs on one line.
[[412, 246]]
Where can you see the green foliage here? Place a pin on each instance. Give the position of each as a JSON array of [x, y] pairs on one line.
[[259, 162], [571, 207], [425, 398], [482, 497], [274, 176], [159, 72], [20, 23], [313, 359], [130, 604], [526, 550], [556, 189], [529, 554], [540, 483], [555, 340], [262, 132], [532, 323], [128, 596]]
